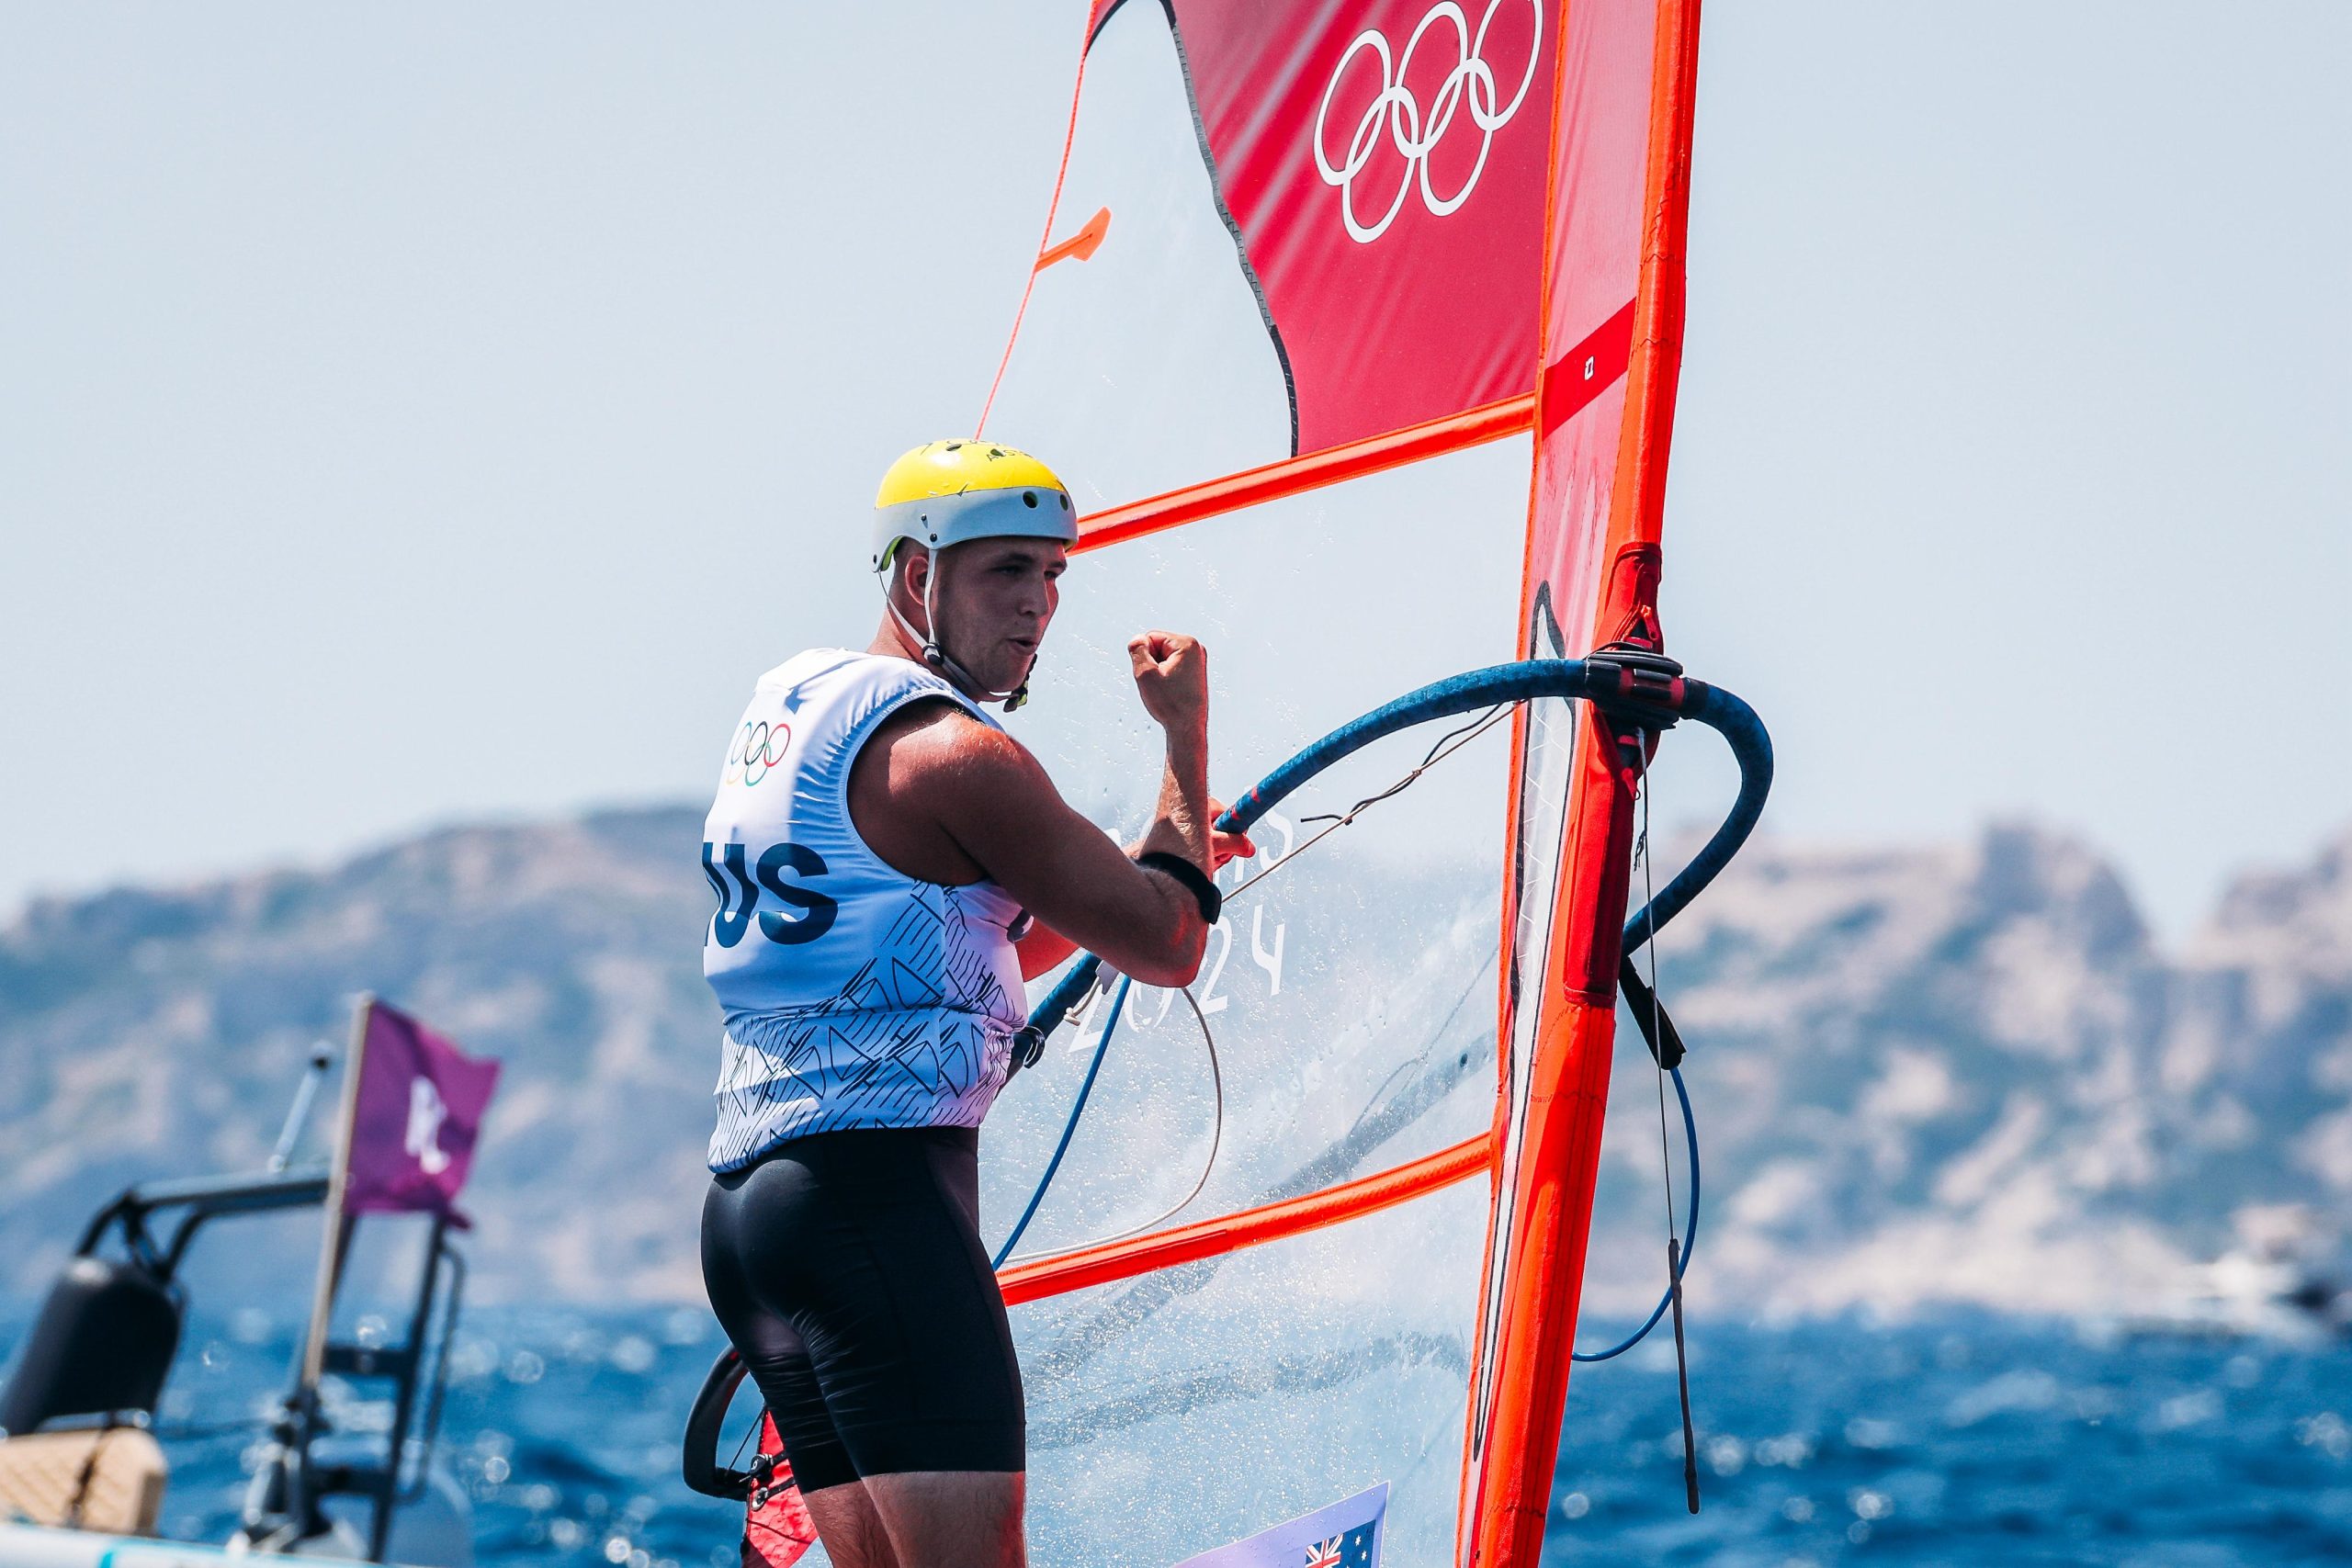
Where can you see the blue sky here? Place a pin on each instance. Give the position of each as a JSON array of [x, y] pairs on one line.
[[417, 415]]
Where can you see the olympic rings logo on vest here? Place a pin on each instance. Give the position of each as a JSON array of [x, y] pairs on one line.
[[758, 747], [1469, 85]]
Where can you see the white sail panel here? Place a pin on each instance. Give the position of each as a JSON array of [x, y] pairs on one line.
[[1191, 1407], [1351, 997]]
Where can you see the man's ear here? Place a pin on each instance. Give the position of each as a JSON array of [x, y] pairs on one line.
[[913, 567]]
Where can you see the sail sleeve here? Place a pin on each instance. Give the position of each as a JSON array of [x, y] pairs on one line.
[[1610, 353]]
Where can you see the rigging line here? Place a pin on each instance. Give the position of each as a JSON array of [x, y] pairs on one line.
[[1679, 1262], [1069, 1127], [735, 1459], [1217, 1128], [1446, 746], [1690, 1236], [1666, 1157], [1468, 731], [1216, 1141], [1438, 754], [1442, 748], [1642, 853]]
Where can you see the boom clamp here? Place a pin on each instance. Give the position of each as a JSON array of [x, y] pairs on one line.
[[1649, 688]]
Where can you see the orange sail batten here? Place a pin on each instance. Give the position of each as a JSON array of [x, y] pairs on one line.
[[1293, 475], [1114, 1260]]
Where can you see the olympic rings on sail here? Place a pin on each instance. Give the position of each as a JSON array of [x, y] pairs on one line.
[[1470, 84]]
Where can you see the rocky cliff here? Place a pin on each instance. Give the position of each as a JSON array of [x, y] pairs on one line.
[[1951, 1073]]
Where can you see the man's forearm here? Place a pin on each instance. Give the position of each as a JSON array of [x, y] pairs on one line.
[[1183, 826]]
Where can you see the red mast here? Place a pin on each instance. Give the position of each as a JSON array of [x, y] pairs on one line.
[[1617, 215]]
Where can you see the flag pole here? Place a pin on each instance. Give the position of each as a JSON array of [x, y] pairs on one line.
[[314, 1347], [284, 1512]]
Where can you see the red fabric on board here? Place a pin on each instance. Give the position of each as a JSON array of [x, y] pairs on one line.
[[778, 1530]]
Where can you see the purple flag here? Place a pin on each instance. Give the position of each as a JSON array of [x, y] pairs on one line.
[[415, 1118], [1345, 1535]]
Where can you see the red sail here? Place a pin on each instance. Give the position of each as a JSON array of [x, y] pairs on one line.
[[1384, 164]]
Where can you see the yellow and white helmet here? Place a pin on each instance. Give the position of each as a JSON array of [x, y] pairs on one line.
[[950, 491]]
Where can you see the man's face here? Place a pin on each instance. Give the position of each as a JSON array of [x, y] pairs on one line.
[[994, 598]]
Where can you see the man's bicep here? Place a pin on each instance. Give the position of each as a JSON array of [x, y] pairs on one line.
[[1005, 812]]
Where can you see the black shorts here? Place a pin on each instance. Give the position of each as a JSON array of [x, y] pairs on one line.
[[847, 1268]]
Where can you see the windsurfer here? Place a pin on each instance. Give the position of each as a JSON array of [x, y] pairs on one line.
[[890, 867]]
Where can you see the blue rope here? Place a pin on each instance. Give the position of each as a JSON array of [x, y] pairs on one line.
[[1069, 1128], [1690, 1235]]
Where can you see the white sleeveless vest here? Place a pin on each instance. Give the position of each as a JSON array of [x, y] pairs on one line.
[[855, 996]]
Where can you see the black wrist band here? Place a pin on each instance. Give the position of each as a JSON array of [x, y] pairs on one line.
[[1202, 890]]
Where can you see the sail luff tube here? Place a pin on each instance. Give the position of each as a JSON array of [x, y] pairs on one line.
[[1313, 470], [1485, 1325], [1587, 581], [1654, 369], [1566, 1104], [1115, 1260]]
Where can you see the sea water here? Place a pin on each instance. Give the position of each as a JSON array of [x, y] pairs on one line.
[[1960, 1439]]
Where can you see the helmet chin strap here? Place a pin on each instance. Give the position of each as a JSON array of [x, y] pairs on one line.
[[936, 657]]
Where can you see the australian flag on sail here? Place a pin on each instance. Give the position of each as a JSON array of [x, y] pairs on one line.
[[1352, 1549], [1345, 1535]]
